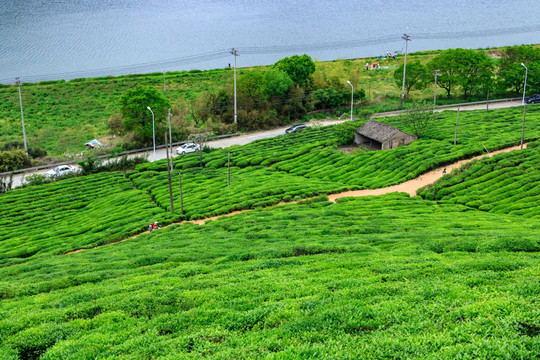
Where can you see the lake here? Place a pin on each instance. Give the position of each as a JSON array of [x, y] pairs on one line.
[[47, 39]]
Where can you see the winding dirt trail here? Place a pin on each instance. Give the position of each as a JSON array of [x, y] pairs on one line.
[[410, 187]]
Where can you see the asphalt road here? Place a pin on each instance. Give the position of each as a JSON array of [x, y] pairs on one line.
[[247, 138], [160, 154]]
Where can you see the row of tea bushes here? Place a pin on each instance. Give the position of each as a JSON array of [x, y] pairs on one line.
[[507, 183], [205, 191], [73, 213], [373, 278], [264, 151]]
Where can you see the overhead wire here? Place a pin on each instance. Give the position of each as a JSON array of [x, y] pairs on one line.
[[275, 49]]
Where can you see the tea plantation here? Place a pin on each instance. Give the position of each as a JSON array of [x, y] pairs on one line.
[[369, 278], [451, 274]]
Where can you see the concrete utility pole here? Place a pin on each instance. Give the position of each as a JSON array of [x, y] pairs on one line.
[[169, 173], [407, 38], [229, 168], [235, 53], [153, 132], [436, 73], [457, 121], [352, 96], [181, 197], [524, 106], [18, 81]]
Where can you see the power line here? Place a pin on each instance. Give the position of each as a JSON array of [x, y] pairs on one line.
[[265, 50]]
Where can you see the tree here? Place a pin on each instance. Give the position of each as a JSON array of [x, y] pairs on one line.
[[474, 70], [276, 83], [200, 139], [416, 77], [137, 118], [419, 116], [445, 63], [299, 68], [250, 84], [511, 74]]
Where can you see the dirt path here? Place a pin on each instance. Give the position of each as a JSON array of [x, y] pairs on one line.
[[409, 187]]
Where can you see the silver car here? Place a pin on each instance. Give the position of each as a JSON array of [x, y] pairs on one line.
[[60, 170], [187, 148]]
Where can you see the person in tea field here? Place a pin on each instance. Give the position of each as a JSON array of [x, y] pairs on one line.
[[444, 171], [150, 227], [156, 226]]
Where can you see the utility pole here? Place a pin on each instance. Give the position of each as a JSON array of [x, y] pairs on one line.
[[169, 172], [407, 38], [170, 131], [352, 97], [181, 198], [436, 73], [524, 105], [229, 168], [457, 120], [18, 81], [235, 53]]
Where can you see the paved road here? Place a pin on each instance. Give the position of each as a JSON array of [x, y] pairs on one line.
[[222, 143], [247, 138]]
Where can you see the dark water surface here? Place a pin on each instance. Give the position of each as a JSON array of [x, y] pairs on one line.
[[47, 39]]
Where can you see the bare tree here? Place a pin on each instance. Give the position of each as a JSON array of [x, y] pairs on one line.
[[419, 116], [201, 139]]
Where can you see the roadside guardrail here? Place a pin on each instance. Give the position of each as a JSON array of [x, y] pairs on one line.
[[50, 166]]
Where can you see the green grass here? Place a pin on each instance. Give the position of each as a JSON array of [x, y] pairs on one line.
[[372, 278]]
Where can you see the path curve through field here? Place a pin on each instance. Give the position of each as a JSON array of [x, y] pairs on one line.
[[410, 187]]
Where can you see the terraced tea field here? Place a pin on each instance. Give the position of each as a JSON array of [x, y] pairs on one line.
[[505, 184], [453, 273]]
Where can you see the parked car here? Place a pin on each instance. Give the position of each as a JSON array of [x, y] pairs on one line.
[[295, 128], [187, 148], [533, 99], [60, 170], [94, 143]]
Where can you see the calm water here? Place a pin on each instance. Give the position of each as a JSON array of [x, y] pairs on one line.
[[47, 39]]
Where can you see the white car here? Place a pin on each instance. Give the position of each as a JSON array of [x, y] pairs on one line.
[[94, 143], [60, 170], [187, 148]]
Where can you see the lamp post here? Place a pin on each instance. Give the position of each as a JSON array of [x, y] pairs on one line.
[[234, 52], [524, 106], [153, 132], [352, 96], [407, 38]]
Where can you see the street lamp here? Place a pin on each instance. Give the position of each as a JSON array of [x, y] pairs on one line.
[[525, 86], [234, 52], [524, 106], [352, 96], [153, 132]]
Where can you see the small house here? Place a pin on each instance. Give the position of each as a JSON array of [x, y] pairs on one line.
[[374, 135]]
